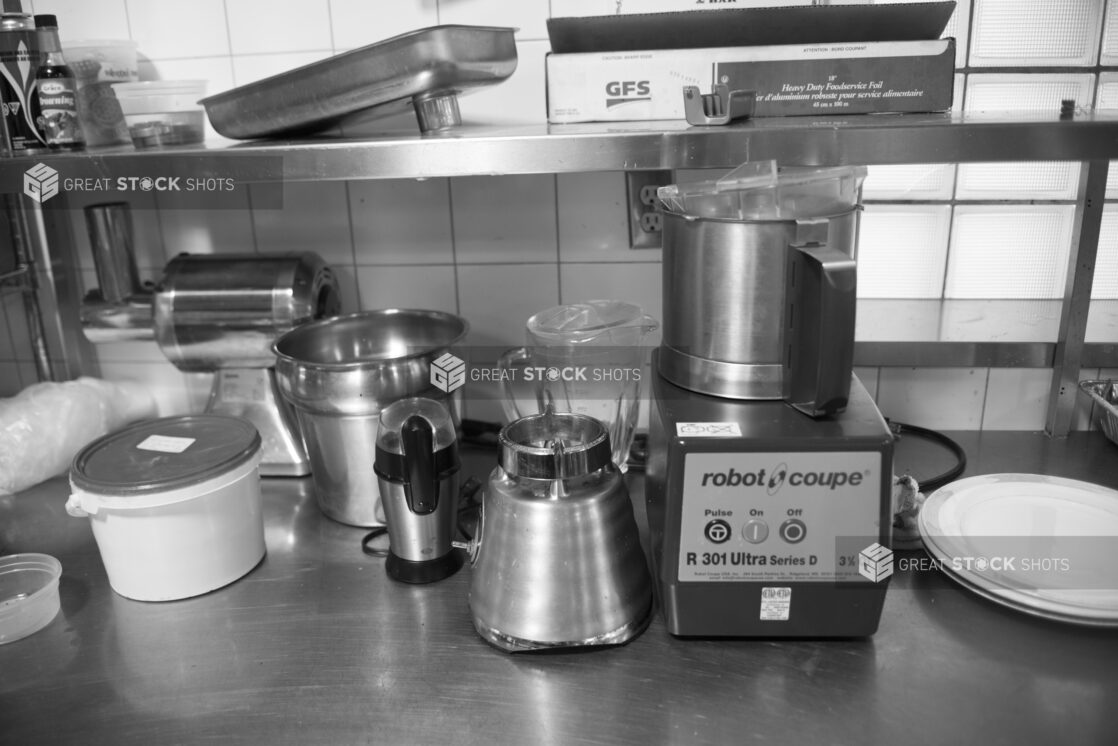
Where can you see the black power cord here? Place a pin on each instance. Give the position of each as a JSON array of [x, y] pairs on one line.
[[928, 486]]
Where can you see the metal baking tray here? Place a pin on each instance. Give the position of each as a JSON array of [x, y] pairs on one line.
[[428, 67], [1105, 394]]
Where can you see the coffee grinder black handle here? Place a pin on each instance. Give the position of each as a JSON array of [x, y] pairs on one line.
[[421, 488]]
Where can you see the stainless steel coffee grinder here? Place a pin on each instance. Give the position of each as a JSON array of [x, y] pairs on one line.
[[770, 466], [416, 463]]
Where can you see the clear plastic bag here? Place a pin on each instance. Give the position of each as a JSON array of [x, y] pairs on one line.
[[44, 426]]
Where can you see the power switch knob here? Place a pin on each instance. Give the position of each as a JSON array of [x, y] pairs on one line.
[[755, 531], [793, 531]]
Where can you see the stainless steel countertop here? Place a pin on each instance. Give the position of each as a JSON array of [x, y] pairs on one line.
[[318, 645]]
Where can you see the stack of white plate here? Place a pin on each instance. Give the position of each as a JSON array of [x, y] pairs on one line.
[[1043, 545]]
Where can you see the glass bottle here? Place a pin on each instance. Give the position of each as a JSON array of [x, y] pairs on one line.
[[56, 91]]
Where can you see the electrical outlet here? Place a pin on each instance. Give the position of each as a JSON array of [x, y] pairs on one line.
[[645, 218]]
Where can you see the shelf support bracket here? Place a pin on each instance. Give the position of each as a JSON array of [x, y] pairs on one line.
[[1077, 298]]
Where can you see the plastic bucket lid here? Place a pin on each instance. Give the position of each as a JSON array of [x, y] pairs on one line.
[[159, 462]]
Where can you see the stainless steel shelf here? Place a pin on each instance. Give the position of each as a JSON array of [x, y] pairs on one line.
[[472, 150], [977, 333], [477, 149]]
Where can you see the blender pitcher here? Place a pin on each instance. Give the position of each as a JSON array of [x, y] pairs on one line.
[[582, 358]]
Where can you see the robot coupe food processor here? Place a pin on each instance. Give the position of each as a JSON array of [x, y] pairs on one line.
[[770, 467]]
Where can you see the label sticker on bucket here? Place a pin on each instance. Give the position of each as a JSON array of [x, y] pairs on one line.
[[165, 443], [776, 604]]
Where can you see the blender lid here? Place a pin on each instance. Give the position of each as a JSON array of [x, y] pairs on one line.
[[760, 190], [155, 456]]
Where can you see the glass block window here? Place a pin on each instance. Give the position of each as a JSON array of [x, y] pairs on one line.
[[1035, 33], [1107, 98], [957, 26], [1009, 251], [1105, 286], [1022, 92], [1109, 53], [902, 250]]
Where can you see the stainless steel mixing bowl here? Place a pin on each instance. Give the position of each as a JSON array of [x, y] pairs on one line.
[[339, 373]]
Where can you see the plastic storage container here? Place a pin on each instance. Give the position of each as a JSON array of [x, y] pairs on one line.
[[174, 504], [163, 112], [28, 594], [107, 60]]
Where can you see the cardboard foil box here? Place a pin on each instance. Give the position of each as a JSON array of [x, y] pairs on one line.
[[789, 80]]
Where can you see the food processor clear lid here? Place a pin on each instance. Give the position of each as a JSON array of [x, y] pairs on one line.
[[760, 190], [600, 321]]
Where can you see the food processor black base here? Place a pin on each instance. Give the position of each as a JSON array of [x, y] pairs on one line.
[[765, 522]]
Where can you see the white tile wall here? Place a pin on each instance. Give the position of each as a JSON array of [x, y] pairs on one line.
[[315, 217], [251, 68], [1016, 399], [498, 299], [357, 23], [530, 18], [81, 19], [593, 219], [398, 286], [504, 220], [939, 398], [266, 26], [404, 221], [521, 99], [172, 29], [497, 249]]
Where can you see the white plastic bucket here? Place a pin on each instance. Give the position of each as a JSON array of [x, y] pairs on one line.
[[174, 504]]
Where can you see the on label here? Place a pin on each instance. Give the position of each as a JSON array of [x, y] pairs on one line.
[[165, 443]]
